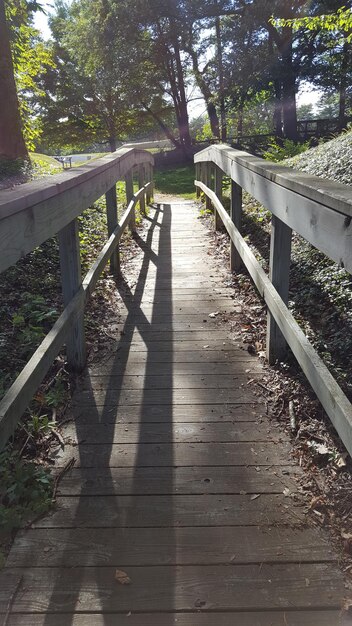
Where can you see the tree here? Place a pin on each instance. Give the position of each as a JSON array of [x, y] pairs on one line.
[[12, 145]]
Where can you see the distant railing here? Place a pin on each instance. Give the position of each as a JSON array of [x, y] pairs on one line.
[[34, 212], [317, 209]]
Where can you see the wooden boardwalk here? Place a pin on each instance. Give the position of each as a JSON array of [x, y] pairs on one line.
[[180, 480]]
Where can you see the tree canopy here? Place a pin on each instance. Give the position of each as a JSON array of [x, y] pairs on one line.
[[114, 70]]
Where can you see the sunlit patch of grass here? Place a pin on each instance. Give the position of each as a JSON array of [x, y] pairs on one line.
[[176, 181]]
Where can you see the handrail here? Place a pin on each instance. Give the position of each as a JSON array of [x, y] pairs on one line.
[[92, 183], [261, 180]]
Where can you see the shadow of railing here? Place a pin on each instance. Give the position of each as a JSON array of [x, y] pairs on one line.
[[119, 516]]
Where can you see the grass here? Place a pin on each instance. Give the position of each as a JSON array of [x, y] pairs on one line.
[[176, 181]]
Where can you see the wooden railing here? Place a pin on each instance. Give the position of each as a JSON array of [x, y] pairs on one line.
[[318, 210], [37, 211]]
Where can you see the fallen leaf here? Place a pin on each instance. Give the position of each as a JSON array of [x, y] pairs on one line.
[[214, 314], [345, 535], [206, 346], [341, 461], [255, 496], [286, 492], [122, 578]]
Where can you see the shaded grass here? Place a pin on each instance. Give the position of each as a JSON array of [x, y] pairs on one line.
[[176, 181]]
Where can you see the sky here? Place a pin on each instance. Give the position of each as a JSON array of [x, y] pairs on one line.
[[196, 107]]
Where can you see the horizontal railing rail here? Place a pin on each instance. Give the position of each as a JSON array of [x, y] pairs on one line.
[[320, 211], [32, 212]]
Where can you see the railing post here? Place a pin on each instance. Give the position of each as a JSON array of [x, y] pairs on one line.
[[71, 281], [218, 190], [207, 182], [129, 196], [140, 185], [236, 216], [148, 179], [198, 177], [279, 274], [111, 211]]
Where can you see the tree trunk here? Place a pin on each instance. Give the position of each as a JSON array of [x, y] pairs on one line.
[[213, 118], [277, 117], [112, 144], [12, 145], [162, 125], [206, 93], [289, 107], [343, 85], [221, 80], [185, 135]]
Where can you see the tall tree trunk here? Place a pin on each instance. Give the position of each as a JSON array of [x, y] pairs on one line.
[[277, 117], [221, 79], [206, 93], [12, 145], [185, 135], [112, 144], [343, 85], [289, 106]]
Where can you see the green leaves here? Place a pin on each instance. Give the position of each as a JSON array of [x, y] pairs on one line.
[[25, 491], [340, 22]]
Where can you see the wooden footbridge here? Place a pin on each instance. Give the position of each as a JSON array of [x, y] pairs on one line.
[[182, 505]]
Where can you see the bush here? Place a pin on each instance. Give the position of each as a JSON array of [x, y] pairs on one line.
[[284, 150]]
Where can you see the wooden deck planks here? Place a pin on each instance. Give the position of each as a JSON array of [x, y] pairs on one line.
[[179, 478]]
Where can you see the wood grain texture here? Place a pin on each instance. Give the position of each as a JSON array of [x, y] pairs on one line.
[[269, 618], [179, 588], [222, 432], [162, 511], [153, 397], [263, 454], [90, 481], [167, 412], [111, 547]]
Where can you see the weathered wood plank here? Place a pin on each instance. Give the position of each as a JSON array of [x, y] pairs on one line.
[[180, 589], [166, 546], [223, 432], [71, 282], [325, 227], [164, 396], [327, 192], [136, 365], [277, 618], [193, 357], [181, 454], [236, 216], [111, 211], [185, 480], [36, 211], [279, 274], [168, 380], [164, 511], [168, 412]]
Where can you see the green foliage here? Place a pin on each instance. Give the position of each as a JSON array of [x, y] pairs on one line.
[[284, 150], [43, 165], [340, 22], [38, 425], [25, 491], [32, 57], [30, 322]]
